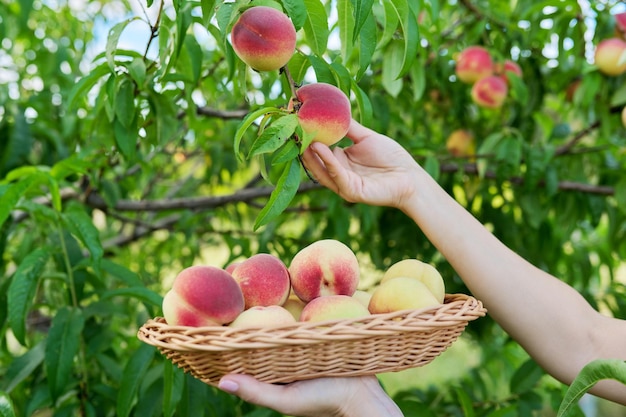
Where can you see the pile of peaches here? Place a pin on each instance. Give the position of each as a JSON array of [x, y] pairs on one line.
[[320, 284]]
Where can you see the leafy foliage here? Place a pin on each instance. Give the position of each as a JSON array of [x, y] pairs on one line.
[[133, 143]]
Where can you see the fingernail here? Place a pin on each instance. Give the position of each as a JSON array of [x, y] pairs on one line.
[[228, 385]]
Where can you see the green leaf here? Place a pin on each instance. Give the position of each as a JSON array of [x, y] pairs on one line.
[[408, 23], [15, 191], [6, 406], [112, 40], [390, 24], [466, 402], [126, 140], [140, 293], [23, 288], [246, 123], [286, 153], [279, 200], [121, 273], [125, 101], [81, 225], [345, 23], [591, 373], [173, 386], [137, 70], [274, 136], [367, 45], [63, 343], [316, 26], [132, 378], [526, 377], [85, 84], [362, 13], [363, 103], [392, 65], [296, 9], [24, 366]]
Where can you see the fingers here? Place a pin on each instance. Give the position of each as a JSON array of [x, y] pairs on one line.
[[251, 390], [318, 159]]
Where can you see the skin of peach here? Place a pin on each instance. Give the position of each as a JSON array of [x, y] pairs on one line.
[[325, 267], [608, 54], [333, 307], [414, 268], [620, 23], [474, 63], [510, 66], [211, 291], [294, 305], [263, 279], [325, 112], [401, 293], [178, 313], [264, 38], [461, 143], [490, 92], [231, 267], [263, 316]]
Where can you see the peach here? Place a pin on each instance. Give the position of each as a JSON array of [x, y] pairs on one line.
[[363, 296], [324, 112], [490, 92], [461, 143], [264, 280], [264, 38], [509, 67], [231, 266], [624, 116], [294, 305], [620, 24], [333, 307], [263, 316], [610, 56], [414, 268], [474, 63], [203, 296], [401, 293], [325, 267]]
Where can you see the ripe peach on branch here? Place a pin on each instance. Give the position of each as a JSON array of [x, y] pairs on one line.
[[264, 38]]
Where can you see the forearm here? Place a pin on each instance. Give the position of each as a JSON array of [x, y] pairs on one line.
[[548, 318]]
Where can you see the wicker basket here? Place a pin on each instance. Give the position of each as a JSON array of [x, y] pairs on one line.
[[374, 344]]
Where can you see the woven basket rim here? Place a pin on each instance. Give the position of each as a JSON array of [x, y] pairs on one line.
[[457, 309]]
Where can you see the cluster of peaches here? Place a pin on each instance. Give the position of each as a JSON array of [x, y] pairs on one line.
[[490, 80], [320, 284], [264, 38]]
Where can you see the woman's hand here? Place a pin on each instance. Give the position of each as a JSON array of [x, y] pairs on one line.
[[322, 397], [374, 170]]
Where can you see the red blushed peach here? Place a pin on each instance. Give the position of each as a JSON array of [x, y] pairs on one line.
[[490, 92], [263, 279], [325, 267], [474, 63], [620, 24], [324, 112], [231, 266], [610, 56], [202, 296], [333, 307], [263, 316], [509, 67], [264, 38]]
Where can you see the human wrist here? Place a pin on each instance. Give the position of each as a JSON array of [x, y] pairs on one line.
[[372, 401]]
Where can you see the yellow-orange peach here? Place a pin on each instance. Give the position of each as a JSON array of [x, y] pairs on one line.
[[264, 280], [324, 112], [363, 297], [263, 316], [264, 38], [490, 92], [474, 63], [325, 267], [202, 296], [414, 268], [610, 56], [401, 293], [333, 307], [461, 143], [294, 305]]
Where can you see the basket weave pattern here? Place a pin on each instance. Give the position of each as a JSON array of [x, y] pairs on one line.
[[378, 343]]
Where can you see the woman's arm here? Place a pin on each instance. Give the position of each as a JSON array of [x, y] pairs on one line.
[[552, 321]]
